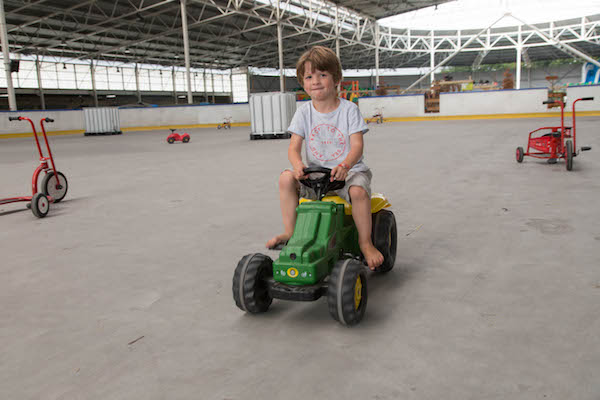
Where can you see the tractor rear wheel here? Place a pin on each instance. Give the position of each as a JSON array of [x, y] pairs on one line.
[[385, 238], [347, 292], [250, 288]]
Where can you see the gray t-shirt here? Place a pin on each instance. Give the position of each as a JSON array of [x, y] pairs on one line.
[[327, 136]]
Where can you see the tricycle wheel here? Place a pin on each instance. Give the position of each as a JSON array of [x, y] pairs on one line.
[[171, 140], [569, 154], [347, 292], [49, 186], [520, 154], [219, 126], [385, 238], [250, 288], [40, 205], [185, 139]]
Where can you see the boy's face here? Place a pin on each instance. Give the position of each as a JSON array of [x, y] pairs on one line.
[[319, 85]]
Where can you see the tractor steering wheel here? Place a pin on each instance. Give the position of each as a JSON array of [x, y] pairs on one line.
[[322, 184]]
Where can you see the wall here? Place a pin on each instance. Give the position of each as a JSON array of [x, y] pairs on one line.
[[493, 102], [64, 120], [72, 120], [183, 115], [393, 106], [576, 92]]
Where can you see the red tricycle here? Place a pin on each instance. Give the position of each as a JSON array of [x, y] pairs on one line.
[[226, 123], [377, 117], [558, 143], [176, 137], [54, 185]]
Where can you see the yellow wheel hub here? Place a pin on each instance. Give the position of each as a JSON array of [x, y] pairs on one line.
[[357, 293]]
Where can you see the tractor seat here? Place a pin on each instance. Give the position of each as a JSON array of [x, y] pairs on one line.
[[378, 202]]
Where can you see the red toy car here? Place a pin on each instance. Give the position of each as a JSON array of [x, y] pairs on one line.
[[560, 142], [176, 137]]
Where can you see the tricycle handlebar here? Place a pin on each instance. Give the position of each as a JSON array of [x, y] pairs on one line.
[[587, 98], [14, 118], [49, 120], [549, 102]]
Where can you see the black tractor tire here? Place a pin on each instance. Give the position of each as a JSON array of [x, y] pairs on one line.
[[520, 154], [347, 292], [250, 288], [385, 238], [569, 155], [49, 186], [40, 205]]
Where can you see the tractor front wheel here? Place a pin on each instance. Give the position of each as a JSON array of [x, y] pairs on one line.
[[569, 154], [347, 292], [250, 288]]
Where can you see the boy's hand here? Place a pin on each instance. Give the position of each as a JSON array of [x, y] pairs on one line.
[[299, 173], [338, 173]]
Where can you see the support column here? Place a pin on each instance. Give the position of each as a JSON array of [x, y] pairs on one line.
[[173, 78], [280, 51], [212, 82], [337, 33], [519, 50], [205, 89], [93, 75], [137, 84], [186, 50], [376, 55], [39, 79], [12, 99], [231, 85], [432, 59]]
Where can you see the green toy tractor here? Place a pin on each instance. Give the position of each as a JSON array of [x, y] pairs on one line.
[[321, 258]]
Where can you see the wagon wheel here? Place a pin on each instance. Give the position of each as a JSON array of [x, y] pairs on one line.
[[569, 154], [520, 154]]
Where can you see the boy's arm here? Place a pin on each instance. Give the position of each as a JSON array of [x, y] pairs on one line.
[[356, 151], [295, 155]]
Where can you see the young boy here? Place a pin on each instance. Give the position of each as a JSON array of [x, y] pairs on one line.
[[333, 129]]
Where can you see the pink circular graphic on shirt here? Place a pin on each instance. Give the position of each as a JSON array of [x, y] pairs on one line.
[[326, 142]]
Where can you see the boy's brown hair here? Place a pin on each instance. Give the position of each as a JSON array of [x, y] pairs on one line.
[[321, 58]]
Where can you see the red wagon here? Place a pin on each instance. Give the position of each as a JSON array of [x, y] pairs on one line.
[[559, 142], [54, 185]]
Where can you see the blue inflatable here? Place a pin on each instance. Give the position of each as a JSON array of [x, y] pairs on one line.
[[590, 74]]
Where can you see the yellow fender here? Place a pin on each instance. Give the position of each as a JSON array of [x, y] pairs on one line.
[[378, 202]]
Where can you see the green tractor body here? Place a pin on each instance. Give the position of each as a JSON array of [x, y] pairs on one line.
[[322, 258], [323, 233]]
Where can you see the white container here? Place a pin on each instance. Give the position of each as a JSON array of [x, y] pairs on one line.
[[271, 114], [101, 121]]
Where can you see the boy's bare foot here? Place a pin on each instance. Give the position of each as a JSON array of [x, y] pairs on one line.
[[283, 238], [373, 257]]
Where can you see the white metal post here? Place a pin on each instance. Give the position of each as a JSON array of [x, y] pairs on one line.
[[280, 50], [432, 59], [337, 33], [376, 55], [137, 84], [93, 76], [12, 99], [205, 89], [186, 50], [39, 79], [519, 49], [174, 81]]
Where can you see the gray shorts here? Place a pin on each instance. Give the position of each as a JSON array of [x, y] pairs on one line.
[[354, 178]]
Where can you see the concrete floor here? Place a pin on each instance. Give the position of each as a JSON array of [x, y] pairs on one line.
[[495, 293]]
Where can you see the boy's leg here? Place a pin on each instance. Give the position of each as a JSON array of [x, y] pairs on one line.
[[288, 201], [361, 213]]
